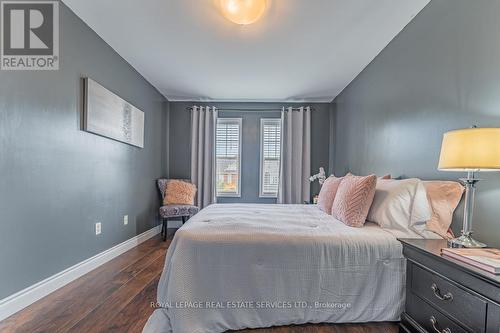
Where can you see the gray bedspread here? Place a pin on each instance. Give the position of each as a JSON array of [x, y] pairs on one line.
[[246, 266]]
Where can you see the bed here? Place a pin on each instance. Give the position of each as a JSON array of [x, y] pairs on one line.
[[237, 266]]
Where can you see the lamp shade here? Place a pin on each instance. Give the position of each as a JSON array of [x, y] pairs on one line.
[[471, 149]]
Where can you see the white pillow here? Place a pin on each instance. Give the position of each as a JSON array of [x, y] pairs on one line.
[[400, 205]]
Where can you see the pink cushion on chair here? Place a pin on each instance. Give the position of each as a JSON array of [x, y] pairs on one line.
[[327, 193], [178, 192], [444, 197], [353, 200]]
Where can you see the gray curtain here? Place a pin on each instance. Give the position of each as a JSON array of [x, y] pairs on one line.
[[203, 123], [295, 156]]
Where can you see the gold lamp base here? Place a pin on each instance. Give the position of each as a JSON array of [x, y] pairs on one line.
[[465, 240]]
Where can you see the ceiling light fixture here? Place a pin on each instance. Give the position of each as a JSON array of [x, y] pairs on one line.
[[243, 11]]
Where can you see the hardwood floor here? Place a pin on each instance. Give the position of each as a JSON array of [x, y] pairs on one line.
[[116, 297]]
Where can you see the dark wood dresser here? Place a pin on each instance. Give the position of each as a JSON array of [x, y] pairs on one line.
[[446, 296]]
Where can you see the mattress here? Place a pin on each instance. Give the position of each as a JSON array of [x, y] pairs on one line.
[[237, 266]]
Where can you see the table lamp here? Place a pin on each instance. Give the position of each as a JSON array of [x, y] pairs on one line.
[[470, 150]]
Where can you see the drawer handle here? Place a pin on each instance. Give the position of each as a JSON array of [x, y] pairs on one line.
[[446, 297], [437, 330]]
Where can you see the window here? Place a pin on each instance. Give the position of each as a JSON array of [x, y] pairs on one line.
[[228, 157], [270, 152]]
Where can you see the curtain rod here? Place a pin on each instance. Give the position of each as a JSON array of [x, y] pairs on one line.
[[245, 109]]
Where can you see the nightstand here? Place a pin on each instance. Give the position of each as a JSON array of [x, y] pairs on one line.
[[447, 296]]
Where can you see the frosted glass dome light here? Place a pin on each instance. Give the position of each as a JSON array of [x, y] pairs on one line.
[[243, 11]]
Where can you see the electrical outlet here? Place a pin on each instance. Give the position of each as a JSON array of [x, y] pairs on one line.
[[125, 219], [98, 228]]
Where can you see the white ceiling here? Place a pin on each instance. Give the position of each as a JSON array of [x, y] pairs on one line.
[[300, 50]]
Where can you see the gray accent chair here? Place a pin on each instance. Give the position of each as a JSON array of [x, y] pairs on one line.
[[173, 211]]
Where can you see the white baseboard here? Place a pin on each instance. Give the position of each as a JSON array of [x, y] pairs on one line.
[[27, 296]]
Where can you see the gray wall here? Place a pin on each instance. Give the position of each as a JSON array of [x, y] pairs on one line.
[[56, 180], [441, 73], [180, 153]]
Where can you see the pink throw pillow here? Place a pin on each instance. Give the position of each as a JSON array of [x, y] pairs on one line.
[[444, 197], [178, 192], [353, 200], [327, 193]]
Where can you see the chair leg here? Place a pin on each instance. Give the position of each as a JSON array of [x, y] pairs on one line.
[[162, 227], [183, 219], [165, 226]]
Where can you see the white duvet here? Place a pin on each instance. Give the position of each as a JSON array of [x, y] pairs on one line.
[[246, 266]]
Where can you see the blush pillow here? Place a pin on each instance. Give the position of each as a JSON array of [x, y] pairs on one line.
[[353, 200], [178, 192], [444, 197], [327, 193], [400, 205]]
